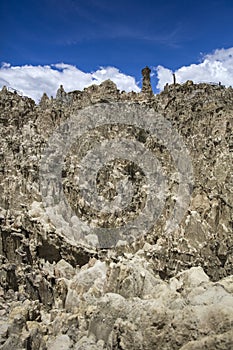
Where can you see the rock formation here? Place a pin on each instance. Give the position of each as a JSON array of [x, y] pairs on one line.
[[146, 83], [160, 291]]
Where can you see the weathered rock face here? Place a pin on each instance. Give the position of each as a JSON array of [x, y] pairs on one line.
[[146, 83], [160, 291]]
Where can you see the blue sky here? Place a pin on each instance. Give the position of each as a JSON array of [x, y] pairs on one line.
[[128, 35]]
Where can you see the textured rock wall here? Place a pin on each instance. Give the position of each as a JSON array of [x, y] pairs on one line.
[[159, 292]]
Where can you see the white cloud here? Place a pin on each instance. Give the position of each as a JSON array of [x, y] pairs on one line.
[[215, 67], [33, 81], [164, 76]]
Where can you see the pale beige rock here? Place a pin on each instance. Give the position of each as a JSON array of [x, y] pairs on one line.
[[61, 342], [64, 269]]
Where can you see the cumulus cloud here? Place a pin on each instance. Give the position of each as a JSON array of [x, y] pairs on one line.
[[33, 81], [215, 67]]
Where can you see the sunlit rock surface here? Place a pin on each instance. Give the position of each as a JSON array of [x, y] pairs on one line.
[[159, 292]]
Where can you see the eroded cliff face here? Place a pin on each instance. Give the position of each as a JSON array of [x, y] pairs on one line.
[[158, 292]]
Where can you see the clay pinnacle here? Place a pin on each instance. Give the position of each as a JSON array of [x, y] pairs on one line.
[[146, 84]]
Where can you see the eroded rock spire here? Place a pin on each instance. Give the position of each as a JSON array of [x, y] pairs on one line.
[[146, 83]]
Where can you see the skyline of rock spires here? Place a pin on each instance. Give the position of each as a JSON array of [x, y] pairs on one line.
[[157, 291]]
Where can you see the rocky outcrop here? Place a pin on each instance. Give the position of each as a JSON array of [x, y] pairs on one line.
[[122, 305], [146, 83], [159, 292]]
